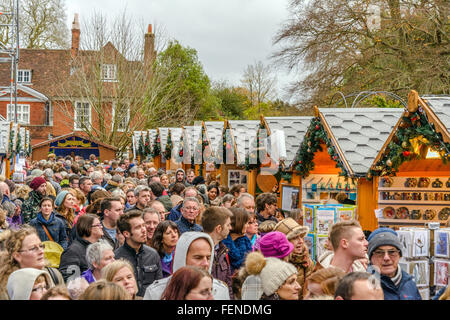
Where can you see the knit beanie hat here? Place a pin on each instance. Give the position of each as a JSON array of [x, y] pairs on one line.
[[36, 183], [384, 238], [60, 197], [272, 271], [275, 244], [379, 230]]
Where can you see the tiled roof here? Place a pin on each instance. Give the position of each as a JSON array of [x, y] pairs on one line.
[[244, 132], [361, 132], [176, 137], [440, 104], [294, 129], [192, 134], [214, 131]]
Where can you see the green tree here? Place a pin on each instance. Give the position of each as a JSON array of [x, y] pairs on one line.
[[193, 86], [232, 101]]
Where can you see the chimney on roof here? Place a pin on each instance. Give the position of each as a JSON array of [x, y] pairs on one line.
[[75, 37], [149, 46]]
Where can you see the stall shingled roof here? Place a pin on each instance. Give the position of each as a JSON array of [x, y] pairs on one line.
[[360, 133], [440, 105], [214, 130], [243, 132], [192, 135], [294, 129]]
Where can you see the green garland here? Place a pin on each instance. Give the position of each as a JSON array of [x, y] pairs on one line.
[[202, 144], [141, 146], [315, 136], [180, 154], [221, 157], [18, 142], [413, 125], [11, 152], [29, 150], [254, 154], [156, 150], [147, 146], [169, 146]]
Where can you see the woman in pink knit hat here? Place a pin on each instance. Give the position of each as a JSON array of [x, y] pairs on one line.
[[275, 244]]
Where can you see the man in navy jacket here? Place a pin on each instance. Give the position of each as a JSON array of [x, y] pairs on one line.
[[384, 252]]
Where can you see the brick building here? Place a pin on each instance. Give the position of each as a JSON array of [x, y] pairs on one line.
[[41, 71]]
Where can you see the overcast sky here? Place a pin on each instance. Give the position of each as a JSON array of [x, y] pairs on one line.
[[227, 34]]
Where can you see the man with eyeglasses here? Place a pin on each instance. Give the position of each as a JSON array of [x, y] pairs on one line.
[[384, 252], [189, 211], [73, 259]]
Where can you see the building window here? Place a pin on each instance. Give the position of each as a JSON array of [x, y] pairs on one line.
[[24, 76], [23, 113], [122, 116], [82, 115], [109, 72]]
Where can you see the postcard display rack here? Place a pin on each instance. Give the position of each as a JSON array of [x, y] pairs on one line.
[[426, 257], [413, 201], [319, 219]]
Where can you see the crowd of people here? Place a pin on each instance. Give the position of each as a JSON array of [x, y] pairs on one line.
[[78, 229]]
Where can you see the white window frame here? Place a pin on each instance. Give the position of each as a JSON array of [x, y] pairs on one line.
[[76, 115], [125, 121], [21, 75], [109, 72], [20, 113]]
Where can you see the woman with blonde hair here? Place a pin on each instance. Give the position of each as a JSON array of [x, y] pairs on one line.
[[57, 293], [22, 192], [323, 282], [104, 290], [121, 272], [23, 249]]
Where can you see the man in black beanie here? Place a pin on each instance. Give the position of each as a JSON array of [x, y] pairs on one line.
[[384, 252]]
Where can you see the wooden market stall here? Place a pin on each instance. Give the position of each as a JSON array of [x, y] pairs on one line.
[[285, 135], [413, 165], [190, 138], [204, 151], [143, 144], [413, 190], [233, 148], [74, 144], [171, 150], [336, 153]]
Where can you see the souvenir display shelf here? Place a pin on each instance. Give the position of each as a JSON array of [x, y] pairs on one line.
[[413, 201], [317, 188]]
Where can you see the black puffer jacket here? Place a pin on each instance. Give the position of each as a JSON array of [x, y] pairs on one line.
[[73, 259], [146, 264]]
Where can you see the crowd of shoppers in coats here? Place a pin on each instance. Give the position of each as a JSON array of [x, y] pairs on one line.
[[78, 229]]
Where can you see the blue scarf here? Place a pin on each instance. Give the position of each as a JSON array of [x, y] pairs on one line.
[[41, 219], [168, 257]]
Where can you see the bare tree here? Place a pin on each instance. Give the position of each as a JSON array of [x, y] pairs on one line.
[[259, 82], [351, 46], [42, 23], [110, 77]]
